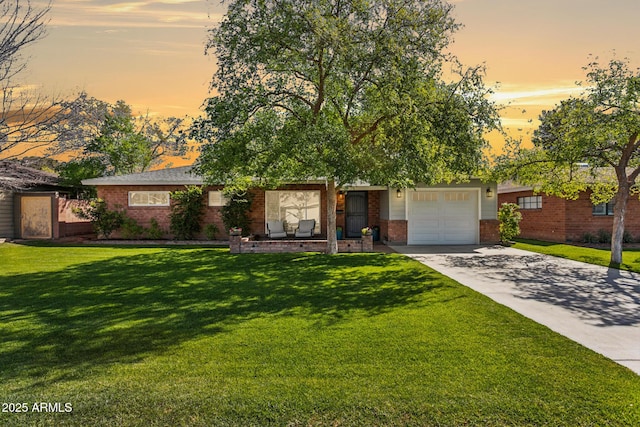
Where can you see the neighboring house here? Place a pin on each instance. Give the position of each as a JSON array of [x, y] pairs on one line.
[[33, 205], [555, 219], [447, 214]]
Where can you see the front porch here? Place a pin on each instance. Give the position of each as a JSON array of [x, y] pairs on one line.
[[243, 245]]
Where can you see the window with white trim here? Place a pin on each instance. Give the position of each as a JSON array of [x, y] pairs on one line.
[[530, 202], [149, 198], [216, 198], [293, 206]]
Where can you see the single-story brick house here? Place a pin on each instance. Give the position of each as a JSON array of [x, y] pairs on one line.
[[554, 219], [464, 213]]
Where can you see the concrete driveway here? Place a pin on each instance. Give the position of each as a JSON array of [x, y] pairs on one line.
[[595, 306]]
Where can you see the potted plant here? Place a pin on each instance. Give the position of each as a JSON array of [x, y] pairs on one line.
[[339, 233], [367, 231]]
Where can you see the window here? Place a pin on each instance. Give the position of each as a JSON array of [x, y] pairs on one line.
[[530, 202], [216, 198], [292, 206], [148, 198], [456, 196], [424, 196], [603, 209]]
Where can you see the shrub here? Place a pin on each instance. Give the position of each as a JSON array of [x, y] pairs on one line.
[[187, 209], [236, 212], [627, 237], [604, 236], [104, 221], [210, 230], [589, 238], [131, 229], [154, 231], [509, 218]]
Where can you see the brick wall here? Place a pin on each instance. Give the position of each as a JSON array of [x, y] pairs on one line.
[[547, 223], [373, 208], [117, 197], [394, 231], [341, 220], [239, 245], [562, 220], [258, 214], [489, 231], [580, 218]]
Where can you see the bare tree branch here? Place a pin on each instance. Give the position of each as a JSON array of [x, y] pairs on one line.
[[25, 117]]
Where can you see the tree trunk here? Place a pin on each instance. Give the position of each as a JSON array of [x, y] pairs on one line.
[[332, 240], [619, 210]]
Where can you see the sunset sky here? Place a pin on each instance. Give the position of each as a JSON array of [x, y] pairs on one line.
[[150, 53]]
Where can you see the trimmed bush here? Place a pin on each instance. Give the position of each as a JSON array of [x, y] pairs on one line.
[[509, 218], [104, 220]]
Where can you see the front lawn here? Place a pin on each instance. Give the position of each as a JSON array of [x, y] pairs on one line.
[[630, 257], [199, 337]]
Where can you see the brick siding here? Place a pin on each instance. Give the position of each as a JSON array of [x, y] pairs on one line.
[[489, 231], [394, 231], [240, 245], [547, 223], [117, 197], [562, 220], [373, 208]]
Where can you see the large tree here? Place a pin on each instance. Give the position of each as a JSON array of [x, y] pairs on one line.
[[588, 142], [112, 134], [342, 90], [25, 116]]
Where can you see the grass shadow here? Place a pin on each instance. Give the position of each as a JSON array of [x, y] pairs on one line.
[[122, 309]]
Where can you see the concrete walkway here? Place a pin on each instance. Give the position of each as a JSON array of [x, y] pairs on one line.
[[595, 306]]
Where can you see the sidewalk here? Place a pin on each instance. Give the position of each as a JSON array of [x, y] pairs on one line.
[[595, 306]]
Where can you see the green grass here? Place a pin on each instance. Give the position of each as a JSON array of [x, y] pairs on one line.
[[630, 257], [196, 336]]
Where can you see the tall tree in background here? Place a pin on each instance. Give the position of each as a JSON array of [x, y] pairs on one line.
[[123, 147], [113, 135], [25, 116], [588, 142], [344, 90]]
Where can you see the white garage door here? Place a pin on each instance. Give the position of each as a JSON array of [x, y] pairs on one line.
[[443, 217]]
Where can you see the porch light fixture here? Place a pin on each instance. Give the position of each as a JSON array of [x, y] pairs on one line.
[[489, 193], [399, 193]]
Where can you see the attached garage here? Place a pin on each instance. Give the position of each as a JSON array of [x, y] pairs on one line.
[[443, 216]]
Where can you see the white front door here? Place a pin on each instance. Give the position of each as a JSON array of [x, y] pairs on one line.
[[443, 217]]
